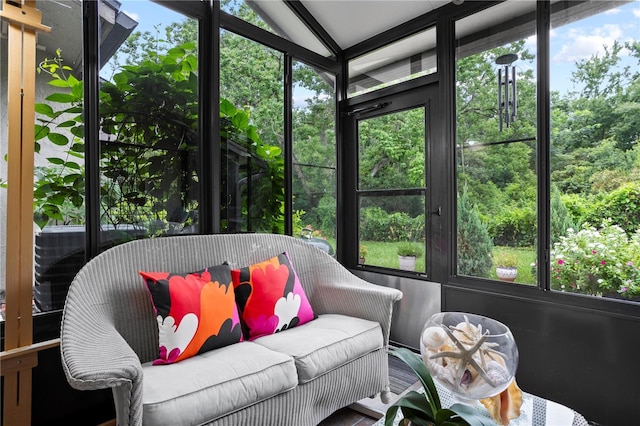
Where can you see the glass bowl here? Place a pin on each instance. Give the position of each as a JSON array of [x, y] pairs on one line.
[[473, 356]]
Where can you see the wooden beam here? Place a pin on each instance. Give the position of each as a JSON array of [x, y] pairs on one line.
[[24, 20]]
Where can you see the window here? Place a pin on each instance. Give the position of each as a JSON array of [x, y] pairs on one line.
[[392, 190], [496, 125], [277, 17], [314, 155], [252, 110], [149, 143], [595, 155], [403, 60]]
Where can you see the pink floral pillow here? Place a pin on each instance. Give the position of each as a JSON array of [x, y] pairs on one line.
[[196, 312], [270, 297]]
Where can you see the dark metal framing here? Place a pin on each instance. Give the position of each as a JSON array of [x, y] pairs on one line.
[[91, 46]]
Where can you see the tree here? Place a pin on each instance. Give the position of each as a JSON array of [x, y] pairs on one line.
[[473, 240]]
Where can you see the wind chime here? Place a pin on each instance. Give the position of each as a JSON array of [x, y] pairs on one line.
[[507, 96], [19, 357]]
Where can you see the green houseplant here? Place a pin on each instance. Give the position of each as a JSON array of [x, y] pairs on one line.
[[407, 254], [506, 264], [425, 409], [362, 253]]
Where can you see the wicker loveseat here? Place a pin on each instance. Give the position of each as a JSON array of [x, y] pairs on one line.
[[299, 376]]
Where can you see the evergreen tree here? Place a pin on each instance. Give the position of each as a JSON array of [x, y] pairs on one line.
[[474, 243]]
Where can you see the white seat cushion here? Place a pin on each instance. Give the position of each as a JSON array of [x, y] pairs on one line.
[[326, 343], [215, 383]]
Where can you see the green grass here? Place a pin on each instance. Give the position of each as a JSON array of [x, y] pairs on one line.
[[384, 254], [526, 256]]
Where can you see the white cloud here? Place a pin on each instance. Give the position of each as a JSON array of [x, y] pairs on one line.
[[636, 13], [132, 15], [583, 45]]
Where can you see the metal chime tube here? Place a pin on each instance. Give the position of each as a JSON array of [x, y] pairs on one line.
[[514, 106], [500, 104], [507, 103]]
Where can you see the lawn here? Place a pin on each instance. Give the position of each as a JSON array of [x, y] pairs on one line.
[[384, 254]]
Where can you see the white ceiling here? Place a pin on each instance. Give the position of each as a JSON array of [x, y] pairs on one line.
[[350, 22]]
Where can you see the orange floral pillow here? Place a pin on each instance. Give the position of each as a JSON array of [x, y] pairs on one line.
[[196, 312]]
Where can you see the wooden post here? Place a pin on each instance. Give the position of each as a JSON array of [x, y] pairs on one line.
[[24, 20]]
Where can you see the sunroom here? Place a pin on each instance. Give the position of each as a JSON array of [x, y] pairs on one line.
[[470, 136]]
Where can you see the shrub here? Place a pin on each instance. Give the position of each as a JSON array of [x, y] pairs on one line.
[[597, 261], [376, 224], [622, 206], [406, 248], [561, 220], [474, 242], [514, 227]]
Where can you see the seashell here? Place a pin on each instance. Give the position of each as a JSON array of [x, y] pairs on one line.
[[434, 338], [497, 373], [505, 406], [444, 374]]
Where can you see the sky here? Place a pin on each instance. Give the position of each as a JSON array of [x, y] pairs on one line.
[[569, 43]]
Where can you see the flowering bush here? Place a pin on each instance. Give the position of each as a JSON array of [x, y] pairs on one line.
[[597, 261]]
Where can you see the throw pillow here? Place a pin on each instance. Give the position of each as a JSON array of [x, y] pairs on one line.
[[196, 312], [270, 297]]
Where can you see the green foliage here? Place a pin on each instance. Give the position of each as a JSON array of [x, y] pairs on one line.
[[474, 243], [561, 220], [426, 408], [377, 224], [622, 206], [515, 227], [149, 158], [597, 261], [505, 259], [409, 249]]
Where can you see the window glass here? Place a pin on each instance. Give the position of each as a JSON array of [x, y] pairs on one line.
[[496, 177], [391, 189], [276, 17], [58, 159], [314, 155], [149, 143], [252, 114], [595, 154], [403, 60]]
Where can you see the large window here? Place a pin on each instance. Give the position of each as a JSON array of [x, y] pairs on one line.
[[496, 178], [406, 59], [252, 111], [314, 155], [392, 190], [58, 159], [595, 154], [149, 144]]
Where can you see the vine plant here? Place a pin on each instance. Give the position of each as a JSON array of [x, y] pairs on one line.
[[149, 147]]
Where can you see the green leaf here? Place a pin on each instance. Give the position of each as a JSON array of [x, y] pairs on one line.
[[58, 139], [44, 109], [472, 415], [68, 123], [240, 120], [61, 98], [41, 132], [55, 160], [417, 365], [227, 109], [59, 83]]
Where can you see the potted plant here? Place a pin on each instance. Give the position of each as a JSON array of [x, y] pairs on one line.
[[362, 254], [425, 408], [506, 263], [407, 254]]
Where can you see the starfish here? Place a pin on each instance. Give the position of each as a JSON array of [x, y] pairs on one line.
[[465, 356]]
